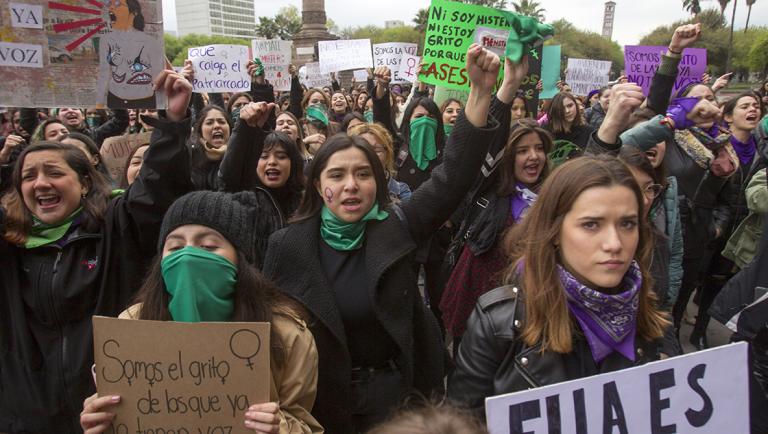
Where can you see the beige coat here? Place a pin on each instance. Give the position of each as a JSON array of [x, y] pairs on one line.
[[294, 381]]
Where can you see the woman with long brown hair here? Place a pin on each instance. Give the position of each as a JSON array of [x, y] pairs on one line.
[[579, 300]]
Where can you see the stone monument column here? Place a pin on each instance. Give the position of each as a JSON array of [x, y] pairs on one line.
[[313, 29]]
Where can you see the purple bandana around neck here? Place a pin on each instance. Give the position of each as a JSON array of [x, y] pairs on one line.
[[745, 151], [608, 321], [521, 201]]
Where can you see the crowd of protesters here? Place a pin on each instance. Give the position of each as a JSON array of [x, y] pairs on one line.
[[405, 252]]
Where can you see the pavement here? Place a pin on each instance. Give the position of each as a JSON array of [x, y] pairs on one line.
[[717, 334]]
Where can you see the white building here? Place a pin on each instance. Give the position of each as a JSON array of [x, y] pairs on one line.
[[216, 17], [393, 23]]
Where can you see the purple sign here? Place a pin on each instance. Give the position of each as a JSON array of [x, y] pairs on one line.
[[641, 62]]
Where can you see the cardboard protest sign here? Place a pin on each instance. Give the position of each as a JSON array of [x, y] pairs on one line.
[[360, 75], [703, 392], [550, 71], [220, 68], [181, 377], [585, 75], [391, 55], [444, 93], [62, 54], [641, 63], [275, 55], [115, 150], [528, 86], [311, 76], [409, 68], [342, 55]]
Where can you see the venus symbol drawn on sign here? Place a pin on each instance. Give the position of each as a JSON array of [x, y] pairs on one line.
[[411, 65], [245, 344]]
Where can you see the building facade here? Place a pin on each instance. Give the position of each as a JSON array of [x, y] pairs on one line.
[[216, 17]]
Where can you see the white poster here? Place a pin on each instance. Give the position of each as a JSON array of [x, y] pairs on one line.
[[585, 75], [391, 54], [361, 75], [494, 40], [343, 55], [311, 76], [275, 55], [409, 68], [703, 392], [220, 68]]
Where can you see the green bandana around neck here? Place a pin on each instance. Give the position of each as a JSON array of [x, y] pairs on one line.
[[524, 34], [43, 234], [447, 129], [422, 144], [201, 285], [341, 235], [318, 113]]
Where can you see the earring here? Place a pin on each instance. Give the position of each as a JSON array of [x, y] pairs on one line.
[[82, 195]]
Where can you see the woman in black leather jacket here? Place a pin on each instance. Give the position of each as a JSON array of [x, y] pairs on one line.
[[580, 268]]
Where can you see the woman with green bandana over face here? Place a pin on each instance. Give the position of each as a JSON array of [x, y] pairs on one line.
[[450, 109], [71, 248], [204, 273], [348, 259], [315, 122]]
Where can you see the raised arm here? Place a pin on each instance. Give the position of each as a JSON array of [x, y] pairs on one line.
[[296, 94], [434, 201], [237, 171], [664, 79], [262, 91], [382, 104], [114, 127]]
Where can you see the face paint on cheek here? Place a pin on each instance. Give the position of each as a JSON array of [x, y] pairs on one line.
[[329, 194]]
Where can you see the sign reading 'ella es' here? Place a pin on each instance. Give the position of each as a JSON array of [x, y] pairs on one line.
[[181, 377], [704, 392]]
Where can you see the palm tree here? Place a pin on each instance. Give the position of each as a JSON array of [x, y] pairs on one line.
[[749, 12], [723, 5], [529, 8], [692, 6], [421, 18]]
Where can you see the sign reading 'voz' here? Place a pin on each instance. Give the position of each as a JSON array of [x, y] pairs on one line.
[[704, 392]]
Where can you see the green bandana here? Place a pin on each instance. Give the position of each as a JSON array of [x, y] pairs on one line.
[[564, 151], [201, 285], [318, 113], [447, 129], [346, 236], [368, 115], [524, 33], [422, 144], [43, 234], [259, 67], [764, 125]]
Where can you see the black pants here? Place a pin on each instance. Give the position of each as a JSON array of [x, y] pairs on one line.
[[375, 395]]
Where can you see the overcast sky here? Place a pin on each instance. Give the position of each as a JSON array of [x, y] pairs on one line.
[[634, 18]]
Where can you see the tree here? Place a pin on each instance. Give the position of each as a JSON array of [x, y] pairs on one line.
[[421, 18], [758, 61], [723, 5], [749, 13], [529, 8], [692, 6], [581, 44], [379, 35], [496, 4], [284, 25]]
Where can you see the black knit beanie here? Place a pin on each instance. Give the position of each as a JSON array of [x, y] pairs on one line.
[[232, 215]]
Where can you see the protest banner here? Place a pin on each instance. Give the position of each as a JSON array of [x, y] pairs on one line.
[[181, 377], [443, 93], [360, 75], [702, 392], [275, 55], [642, 61], [54, 54], [409, 68], [220, 68], [343, 55], [115, 150], [311, 76], [528, 86], [585, 75], [550, 71], [391, 55]]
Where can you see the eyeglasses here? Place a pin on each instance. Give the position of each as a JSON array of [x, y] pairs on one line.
[[652, 191]]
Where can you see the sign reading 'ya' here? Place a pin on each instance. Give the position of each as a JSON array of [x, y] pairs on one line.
[[703, 392]]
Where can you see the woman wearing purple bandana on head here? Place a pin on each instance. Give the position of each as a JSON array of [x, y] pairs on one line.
[[579, 300]]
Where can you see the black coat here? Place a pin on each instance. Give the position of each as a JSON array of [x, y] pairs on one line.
[[48, 294], [492, 360], [293, 263]]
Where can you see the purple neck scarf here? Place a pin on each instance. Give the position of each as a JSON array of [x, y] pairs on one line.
[[608, 321], [745, 151], [521, 201]]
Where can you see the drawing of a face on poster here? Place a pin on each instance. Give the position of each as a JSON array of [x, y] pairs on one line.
[[125, 15], [132, 58]]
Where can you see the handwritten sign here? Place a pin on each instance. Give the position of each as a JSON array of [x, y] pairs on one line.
[[444, 93], [391, 55], [220, 68], [26, 16], [275, 55], [703, 392], [550, 70], [311, 76], [115, 150], [528, 85], [494, 40], [181, 377], [585, 75], [641, 63], [409, 68], [343, 55]]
